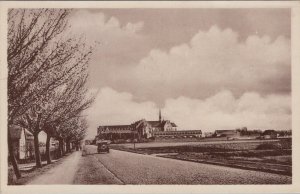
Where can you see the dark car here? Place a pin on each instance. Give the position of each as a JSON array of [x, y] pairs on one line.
[[102, 147]]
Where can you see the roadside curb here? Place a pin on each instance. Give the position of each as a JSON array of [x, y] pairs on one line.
[[31, 167]]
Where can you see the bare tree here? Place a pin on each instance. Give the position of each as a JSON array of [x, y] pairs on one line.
[[12, 156], [50, 130], [40, 60], [80, 133], [69, 103], [73, 131], [58, 106]]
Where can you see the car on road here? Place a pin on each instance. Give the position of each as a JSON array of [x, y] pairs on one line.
[[102, 146]]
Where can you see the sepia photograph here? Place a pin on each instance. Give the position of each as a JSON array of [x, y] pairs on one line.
[[152, 94]]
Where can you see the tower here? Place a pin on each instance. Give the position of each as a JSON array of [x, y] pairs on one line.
[[159, 116]]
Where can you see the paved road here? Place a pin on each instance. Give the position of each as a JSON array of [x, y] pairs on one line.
[[120, 167], [62, 174]]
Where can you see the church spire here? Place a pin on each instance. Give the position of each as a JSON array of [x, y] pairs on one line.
[[159, 116]]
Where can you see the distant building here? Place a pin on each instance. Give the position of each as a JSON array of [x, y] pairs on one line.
[[179, 134], [269, 134], [23, 142], [112, 132], [144, 129], [141, 129]]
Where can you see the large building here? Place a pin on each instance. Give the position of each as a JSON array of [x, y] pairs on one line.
[[144, 129], [179, 134]]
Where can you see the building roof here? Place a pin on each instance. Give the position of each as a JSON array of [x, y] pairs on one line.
[[15, 132], [189, 131], [124, 127], [118, 131], [178, 132], [155, 123], [115, 126], [159, 123]]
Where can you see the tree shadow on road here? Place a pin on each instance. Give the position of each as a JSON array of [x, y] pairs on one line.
[[85, 153]]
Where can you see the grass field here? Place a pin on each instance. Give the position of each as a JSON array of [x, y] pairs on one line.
[[273, 156], [213, 141]]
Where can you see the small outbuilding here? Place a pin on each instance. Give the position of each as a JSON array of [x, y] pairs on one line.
[[270, 134], [22, 140]]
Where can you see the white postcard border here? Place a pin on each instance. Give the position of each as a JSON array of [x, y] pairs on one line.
[[295, 43]]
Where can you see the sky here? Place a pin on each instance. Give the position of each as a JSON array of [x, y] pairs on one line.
[[205, 69]]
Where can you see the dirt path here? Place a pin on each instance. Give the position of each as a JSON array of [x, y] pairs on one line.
[[62, 174]]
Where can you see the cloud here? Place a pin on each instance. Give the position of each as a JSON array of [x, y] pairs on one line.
[[119, 45], [96, 26], [99, 22], [134, 27], [220, 111], [224, 111], [216, 59], [117, 108]]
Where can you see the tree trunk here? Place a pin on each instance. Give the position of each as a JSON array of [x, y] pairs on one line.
[[12, 157], [68, 146], [37, 151], [61, 147], [48, 157], [77, 146]]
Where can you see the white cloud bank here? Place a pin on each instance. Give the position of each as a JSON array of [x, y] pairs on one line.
[[98, 27], [216, 59], [99, 22], [117, 108], [224, 111], [220, 111], [215, 81]]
